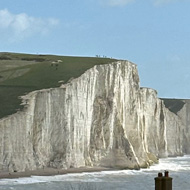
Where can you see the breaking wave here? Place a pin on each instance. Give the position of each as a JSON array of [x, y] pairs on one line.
[[176, 166]]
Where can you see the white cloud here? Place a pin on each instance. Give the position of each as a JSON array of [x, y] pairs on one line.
[[20, 26], [115, 3]]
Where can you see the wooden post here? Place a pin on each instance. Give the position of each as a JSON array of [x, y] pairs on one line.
[[167, 181], [163, 183], [158, 182]]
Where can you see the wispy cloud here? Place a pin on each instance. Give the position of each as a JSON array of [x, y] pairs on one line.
[[116, 3], [162, 2], [120, 3], [20, 26]]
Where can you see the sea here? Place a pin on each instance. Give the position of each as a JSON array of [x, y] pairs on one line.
[[179, 170]]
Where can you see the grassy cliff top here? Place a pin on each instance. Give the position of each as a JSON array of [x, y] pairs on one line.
[[174, 105], [23, 73]]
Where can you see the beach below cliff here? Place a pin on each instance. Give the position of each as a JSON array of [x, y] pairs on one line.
[[179, 170], [51, 172]]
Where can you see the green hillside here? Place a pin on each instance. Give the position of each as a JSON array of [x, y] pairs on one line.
[[174, 105], [23, 73]]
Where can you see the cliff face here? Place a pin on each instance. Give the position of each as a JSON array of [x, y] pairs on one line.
[[102, 118], [181, 107]]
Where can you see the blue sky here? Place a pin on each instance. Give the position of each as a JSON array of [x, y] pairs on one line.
[[154, 34]]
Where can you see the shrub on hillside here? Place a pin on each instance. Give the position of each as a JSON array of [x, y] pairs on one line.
[[3, 57], [34, 59]]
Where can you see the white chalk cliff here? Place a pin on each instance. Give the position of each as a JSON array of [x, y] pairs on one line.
[[102, 118]]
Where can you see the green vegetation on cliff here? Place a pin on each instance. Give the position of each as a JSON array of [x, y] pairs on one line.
[[174, 105], [23, 73]]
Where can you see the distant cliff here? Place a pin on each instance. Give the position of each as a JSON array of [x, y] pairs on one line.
[[102, 118], [181, 107]]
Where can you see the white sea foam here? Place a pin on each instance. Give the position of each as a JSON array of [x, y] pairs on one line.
[[171, 164], [28, 180]]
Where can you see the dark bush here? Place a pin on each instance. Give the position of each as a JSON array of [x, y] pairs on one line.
[[3, 57], [34, 59]]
